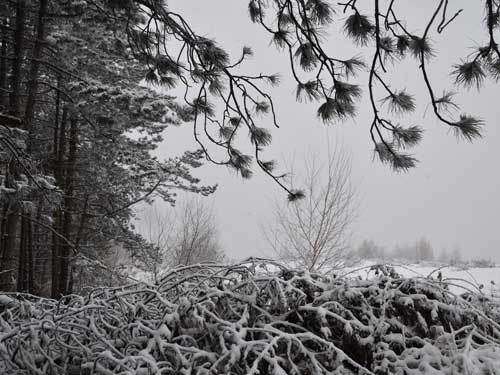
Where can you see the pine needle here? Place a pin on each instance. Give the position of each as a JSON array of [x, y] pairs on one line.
[[359, 28], [307, 58], [407, 137], [468, 128], [400, 102], [469, 74], [421, 47]]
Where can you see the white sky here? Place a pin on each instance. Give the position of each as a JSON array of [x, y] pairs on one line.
[[452, 197]]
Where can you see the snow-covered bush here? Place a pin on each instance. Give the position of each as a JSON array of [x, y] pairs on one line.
[[210, 319]]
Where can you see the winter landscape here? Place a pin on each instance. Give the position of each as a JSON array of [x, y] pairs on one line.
[[257, 187]]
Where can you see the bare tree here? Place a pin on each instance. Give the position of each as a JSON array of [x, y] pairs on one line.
[[197, 237], [313, 233], [184, 236], [158, 229]]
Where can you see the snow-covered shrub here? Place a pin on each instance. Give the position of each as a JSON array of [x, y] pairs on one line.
[[210, 319]]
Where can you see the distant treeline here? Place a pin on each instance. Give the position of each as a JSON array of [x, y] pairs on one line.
[[417, 251]]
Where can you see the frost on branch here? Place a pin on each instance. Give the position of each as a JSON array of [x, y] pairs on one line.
[[210, 319]]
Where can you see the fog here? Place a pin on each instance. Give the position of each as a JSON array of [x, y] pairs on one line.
[[451, 197]]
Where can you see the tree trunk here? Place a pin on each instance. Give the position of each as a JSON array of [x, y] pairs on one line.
[[65, 248], [9, 267], [61, 150], [55, 265], [3, 70], [15, 83], [56, 124], [39, 269], [22, 273], [59, 176], [25, 251], [30, 263], [35, 67], [3, 223], [8, 271]]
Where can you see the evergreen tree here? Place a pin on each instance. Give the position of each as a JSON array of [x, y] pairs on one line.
[[79, 162]]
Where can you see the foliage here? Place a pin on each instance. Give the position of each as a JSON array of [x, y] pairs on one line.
[[86, 154], [299, 29], [247, 318]]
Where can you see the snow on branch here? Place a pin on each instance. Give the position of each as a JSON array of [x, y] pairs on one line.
[[254, 318]]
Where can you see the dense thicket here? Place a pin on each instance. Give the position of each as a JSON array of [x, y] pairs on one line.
[[249, 319]]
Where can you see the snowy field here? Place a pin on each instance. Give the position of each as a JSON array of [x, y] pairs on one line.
[[460, 278], [477, 279]]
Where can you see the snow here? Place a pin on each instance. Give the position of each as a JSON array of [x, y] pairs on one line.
[[6, 300], [243, 319], [478, 279]]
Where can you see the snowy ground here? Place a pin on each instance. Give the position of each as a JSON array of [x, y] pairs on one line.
[[478, 279], [485, 280]]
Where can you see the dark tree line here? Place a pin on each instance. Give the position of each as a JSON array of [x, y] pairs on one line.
[[71, 168]]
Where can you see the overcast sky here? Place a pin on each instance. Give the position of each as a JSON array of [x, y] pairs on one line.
[[452, 197]]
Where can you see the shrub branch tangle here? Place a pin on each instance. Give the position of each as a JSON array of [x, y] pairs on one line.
[[207, 319]]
